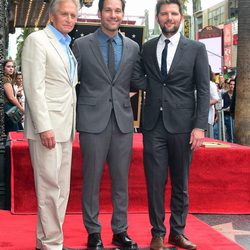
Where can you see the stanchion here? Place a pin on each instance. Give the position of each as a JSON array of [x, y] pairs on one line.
[[232, 128], [221, 124]]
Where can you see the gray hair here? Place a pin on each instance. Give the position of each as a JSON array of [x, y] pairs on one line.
[[53, 5]]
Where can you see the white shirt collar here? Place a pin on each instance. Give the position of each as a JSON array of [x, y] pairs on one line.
[[174, 40]]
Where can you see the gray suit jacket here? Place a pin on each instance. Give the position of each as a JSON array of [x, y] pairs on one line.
[[182, 110], [99, 94]]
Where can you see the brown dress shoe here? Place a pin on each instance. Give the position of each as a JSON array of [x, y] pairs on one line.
[[181, 241], [64, 248], [157, 243]]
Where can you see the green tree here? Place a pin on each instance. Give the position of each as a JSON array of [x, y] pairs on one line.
[[184, 6], [20, 42], [242, 109]]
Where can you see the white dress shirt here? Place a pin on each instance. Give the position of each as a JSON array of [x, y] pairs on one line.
[[172, 46], [213, 95]]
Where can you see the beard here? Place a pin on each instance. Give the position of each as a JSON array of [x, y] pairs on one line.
[[169, 32]]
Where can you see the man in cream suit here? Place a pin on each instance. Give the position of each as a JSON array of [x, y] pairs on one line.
[[105, 118], [49, 72]]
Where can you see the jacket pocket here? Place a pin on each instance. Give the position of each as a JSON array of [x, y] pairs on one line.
[[54, 106], [87, 101], [127, 104], [185, 106]]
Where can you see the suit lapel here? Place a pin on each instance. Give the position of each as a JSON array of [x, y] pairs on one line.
[[59, 49], [178, 54], [125, 53], [154, 57], [94, 46], [151, 58]]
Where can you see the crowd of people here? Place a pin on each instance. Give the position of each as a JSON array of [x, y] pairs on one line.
[[174, 73], [13, 95], [224, 124]]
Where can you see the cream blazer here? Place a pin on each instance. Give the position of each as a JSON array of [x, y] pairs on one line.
[[49, 92]]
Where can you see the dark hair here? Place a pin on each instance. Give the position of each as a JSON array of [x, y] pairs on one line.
[[101, 4], [211, 73], [19, 73], [162, 2], [4, 64], [232, 80]]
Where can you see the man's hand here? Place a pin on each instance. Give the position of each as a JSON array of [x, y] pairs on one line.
[[196, 138], [48, 139]]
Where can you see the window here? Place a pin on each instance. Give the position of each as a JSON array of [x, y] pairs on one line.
[[216, 17]]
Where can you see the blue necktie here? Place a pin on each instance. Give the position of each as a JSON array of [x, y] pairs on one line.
[[164, 71], [111, 58]]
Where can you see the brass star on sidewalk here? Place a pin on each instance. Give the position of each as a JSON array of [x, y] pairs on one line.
[[228, 230]]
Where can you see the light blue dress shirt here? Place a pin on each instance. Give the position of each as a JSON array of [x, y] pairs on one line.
[[65, 42], [117, 44]]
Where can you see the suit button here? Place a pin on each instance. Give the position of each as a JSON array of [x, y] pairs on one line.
[[110, 100], [164, 84]]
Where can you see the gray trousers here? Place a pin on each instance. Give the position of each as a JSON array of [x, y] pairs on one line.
[[114, 147]]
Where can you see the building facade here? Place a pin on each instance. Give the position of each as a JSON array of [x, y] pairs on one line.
[[224, 16]]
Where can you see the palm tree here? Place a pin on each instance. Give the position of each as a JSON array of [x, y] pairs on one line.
[[242, 109], [20, 43], [184, 6]]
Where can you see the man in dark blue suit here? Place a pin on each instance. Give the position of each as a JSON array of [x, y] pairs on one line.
[[174, 120]]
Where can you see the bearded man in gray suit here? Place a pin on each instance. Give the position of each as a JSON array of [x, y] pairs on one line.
[[174, 120], [107, 66]]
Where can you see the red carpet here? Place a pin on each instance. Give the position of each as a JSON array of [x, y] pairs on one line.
[[17, 232], [219, 180]]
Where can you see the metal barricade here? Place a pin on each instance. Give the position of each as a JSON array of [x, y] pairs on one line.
[[221, 124]]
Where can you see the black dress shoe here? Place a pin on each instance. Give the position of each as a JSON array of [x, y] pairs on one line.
[[124, 241], [95, 241]]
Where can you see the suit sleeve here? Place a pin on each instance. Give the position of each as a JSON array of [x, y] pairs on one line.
[[34, 74], [138, 79], [202, 86], [75, 49]]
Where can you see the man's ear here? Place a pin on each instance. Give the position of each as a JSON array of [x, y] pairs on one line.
[[99, 14], [50, 18], [156, 19]]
